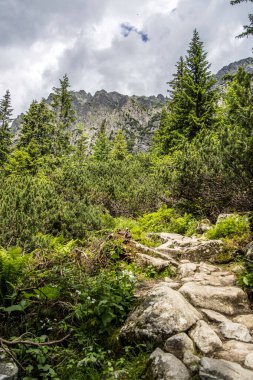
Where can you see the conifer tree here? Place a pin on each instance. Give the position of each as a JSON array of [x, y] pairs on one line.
[[119, 148], [5, 133], [192, 103], [64, 115], [37, 130], [102, 147]]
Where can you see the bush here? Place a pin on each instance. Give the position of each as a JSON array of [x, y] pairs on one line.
[[234, 227]]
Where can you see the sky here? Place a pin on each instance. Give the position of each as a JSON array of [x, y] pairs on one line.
[[129, 46]]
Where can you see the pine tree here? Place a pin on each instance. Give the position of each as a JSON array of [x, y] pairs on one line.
[[119, 148], [5, 133], [102, 147], [64, 114], [192, 103], [37, 130]]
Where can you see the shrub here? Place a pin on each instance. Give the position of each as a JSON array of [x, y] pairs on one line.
[[234, 227]]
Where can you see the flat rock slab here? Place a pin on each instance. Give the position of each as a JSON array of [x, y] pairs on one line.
[[147, 260], [210, 279], [227, 300], [205, 338], [246, 320], [164, 366], [163, 313], [213, 369], [235, 351], [237, 331], [214, 316]]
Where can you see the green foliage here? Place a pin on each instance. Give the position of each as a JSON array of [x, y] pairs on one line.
[[167, 220], [12, 265], [235, 227], [102, 147], [119, 147], [5, 133]]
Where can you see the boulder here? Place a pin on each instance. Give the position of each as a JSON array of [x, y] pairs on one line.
[[249, 361], [191, 361], [227, 300], [163, 313], [246, 320], [205, 338], [235, 331], [165, 366], [213, 369], [178, 345], [235, 351], [8, 371], [213, 279], [186, 269]]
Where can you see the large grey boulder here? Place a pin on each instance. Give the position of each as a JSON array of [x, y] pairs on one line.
[[226, 300], [8, 371], [235, 331], [163, 313], [235, 351], [179, 344], [214, 369], [205, 338], [165, 366]]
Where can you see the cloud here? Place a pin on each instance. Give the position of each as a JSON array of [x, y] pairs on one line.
[[126, 46], [126, 29]]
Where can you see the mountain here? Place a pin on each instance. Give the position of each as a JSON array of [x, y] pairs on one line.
[[137, 116]]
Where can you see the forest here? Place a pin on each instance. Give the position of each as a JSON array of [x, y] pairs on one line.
[[66, 281]]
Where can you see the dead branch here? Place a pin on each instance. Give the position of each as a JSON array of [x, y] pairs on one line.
[[31, 343]]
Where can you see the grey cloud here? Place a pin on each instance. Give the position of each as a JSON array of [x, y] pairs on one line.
[[95, 54]]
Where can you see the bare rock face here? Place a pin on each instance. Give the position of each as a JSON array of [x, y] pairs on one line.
[[235, 351], [163, 313], [165, 366], [213, 369], [178, 345], [8, 371], [235, 331], [205, 338], [226, 300]]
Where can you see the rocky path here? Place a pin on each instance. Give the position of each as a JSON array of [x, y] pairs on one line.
[[201, 322]]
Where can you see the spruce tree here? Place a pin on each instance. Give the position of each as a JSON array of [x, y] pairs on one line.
[[5, 133], [102, 147], [37, 130], [119, 148], [192, 103], [64, 115]]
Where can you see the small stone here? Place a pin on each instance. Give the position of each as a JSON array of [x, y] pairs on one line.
[[178, 345], [246, 320], [165, 366], [235, 331], [191, 361], [214, 316], [187, 269], [249, 361], [214, 369], [205, 338]]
